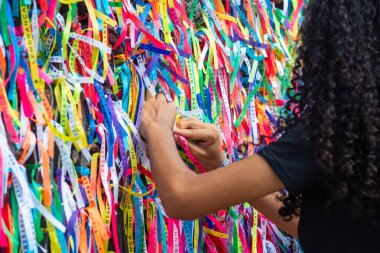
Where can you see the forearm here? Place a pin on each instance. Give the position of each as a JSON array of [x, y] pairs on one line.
[[186, 195], [168, 170], [269, 206]]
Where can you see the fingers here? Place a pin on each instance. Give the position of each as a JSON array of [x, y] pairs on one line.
[[195, 134], [196, 130], [161, 97], [194, 148], [176, 139], [148, 95], [191, 123], [156, 110]]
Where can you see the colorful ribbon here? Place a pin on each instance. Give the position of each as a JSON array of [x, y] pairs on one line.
[[74, 172]]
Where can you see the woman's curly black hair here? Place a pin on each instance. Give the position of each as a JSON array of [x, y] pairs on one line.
[[336, 93]]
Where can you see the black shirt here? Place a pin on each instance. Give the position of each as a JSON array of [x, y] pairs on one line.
[[291, 157]]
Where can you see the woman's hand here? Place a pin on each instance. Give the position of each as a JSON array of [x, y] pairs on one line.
[[157, 115], [184, 194], [204, 142]]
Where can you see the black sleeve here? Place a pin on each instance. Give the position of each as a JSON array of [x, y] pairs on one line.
[[291, 157]]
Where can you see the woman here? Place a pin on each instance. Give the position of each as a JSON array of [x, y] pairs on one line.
[[328, 158]]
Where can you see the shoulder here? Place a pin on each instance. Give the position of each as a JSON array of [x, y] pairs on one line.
[[292, 158]]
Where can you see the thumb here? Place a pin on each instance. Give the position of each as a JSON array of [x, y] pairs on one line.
[[148, 95], [176, 139], [194, 148]]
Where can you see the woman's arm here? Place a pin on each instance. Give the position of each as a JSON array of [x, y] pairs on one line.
[[204, 142], [269, 206], [186, 195]]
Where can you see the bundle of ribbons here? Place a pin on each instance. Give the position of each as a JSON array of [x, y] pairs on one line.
[[74, 172]]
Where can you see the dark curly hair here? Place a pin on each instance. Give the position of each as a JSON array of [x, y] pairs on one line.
[[335, 92]]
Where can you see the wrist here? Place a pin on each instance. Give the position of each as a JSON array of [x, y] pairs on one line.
[[156, 130], [218, 162], [225, 162], [222, 158]]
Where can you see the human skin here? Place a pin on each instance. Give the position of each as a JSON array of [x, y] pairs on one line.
[[187, 195]]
